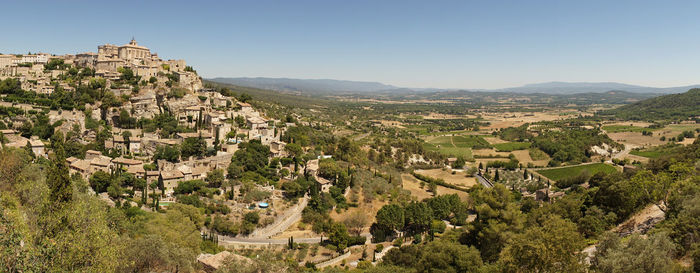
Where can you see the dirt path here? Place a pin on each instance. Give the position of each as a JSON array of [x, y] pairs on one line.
[[357, 138]]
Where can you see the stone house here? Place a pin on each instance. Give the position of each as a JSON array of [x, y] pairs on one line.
[[171, 179]]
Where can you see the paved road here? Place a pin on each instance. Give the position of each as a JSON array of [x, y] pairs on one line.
[[228, 240], [623, 153], [483, 180], [358, 138], [560, 167]]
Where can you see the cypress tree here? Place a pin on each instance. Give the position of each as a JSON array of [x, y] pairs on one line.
[[27, 148], [58, 179]]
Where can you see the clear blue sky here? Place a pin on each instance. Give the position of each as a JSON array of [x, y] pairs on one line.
[[448, 44]]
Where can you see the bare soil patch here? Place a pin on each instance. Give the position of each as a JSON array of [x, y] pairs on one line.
[[489, 152]]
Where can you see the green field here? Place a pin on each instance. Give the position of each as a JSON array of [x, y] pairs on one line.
[[456, 145], [625, 128], [649, 154], [655, 152], [567, 172], [511, 146]]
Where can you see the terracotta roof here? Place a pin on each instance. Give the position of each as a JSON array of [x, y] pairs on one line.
[[80, 164], [101, 161], [135, 169], [256, 120], [126, 161], [199, 170], [204, 134], [175, 174]]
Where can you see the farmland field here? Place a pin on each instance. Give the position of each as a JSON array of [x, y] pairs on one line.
[[567, 172], [654, 152], [649, 154], [456, 145]]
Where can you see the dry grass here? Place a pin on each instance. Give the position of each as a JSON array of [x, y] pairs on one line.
[[458, 178], [636, 139], [524, 157], [515, 119], [489, 152], [494, 140], [413, 185]]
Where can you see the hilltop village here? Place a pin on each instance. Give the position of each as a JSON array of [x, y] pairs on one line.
[[144, 87]]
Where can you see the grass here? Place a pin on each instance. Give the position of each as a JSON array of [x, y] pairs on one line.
[[511, 146], [649, 154], [568, 172], [625, 128], [655, 152], [470, 142], [537, 154], [449, 150]]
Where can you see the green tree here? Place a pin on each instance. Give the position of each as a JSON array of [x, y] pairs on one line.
[[193, 146], [553, 246], [100, 181], [391, 216], [459, 163], [294, 149], [418, 217], [338, 236], [168, 153], [637, 254], [215, 178]]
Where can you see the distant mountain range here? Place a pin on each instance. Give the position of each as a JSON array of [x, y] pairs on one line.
[[592, 87], [304, 85], [327, 86]]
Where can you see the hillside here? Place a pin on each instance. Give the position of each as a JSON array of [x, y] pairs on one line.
[[591, 87], [674, 106]]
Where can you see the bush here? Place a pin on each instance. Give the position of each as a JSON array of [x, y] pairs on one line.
[[438, 226], [357, 240], [252, 217], [379, 248], [398, 242], [224, 226]]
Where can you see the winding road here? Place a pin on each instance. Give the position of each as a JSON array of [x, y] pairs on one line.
[[283, 221]]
